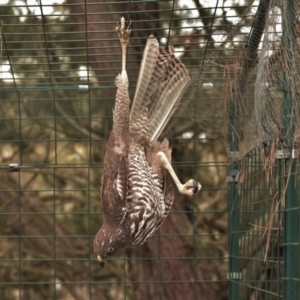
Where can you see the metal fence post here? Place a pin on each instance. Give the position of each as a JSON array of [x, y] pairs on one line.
[[291, 234], [291, 215], [233, 209]]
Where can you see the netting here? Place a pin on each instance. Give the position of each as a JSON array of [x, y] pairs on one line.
[[275, 114], [264, 185]]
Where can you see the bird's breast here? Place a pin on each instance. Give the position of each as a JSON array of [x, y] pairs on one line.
[[144, 198]]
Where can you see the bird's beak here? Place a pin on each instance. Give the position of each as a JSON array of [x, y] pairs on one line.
[[101, 261]]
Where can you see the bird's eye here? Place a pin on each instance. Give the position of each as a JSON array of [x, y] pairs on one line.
[[111, 249]]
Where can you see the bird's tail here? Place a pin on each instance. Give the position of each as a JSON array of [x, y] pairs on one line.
[[161, 83]]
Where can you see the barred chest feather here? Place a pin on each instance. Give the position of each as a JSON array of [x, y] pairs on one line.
[[145, 199]]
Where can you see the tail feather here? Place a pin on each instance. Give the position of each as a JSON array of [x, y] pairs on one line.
[[166, 110], [161, 84], [150, 56]]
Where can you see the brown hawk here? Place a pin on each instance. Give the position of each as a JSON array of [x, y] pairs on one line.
[[135, 197]]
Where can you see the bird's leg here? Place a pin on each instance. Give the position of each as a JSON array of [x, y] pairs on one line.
[[124, 35], [190, 188], [121, 111]]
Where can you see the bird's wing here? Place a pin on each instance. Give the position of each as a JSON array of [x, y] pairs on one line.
[[168, 199], [114, 181], [142, 97], [161, 83]]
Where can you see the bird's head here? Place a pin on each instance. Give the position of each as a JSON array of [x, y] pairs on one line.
[[109, 241]]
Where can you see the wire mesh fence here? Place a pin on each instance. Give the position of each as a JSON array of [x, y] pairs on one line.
[[265, 235], [58, 65], [261, 229], [264, 185]]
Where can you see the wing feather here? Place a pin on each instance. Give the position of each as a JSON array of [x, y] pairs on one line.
[[114, 180], [150, 55], [168, 199], [162, 81], [168, 102]]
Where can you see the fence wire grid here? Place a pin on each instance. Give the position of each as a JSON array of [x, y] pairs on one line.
[[237, 239], [265, 232]]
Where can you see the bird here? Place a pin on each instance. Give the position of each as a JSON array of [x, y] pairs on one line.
[[136, 197]]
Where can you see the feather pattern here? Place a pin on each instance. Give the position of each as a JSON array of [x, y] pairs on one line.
[[135, 194], [161, 83]]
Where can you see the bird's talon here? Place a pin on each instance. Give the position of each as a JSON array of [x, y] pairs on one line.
[[123, 33], [197, 187], [129, 25], [190, 188]]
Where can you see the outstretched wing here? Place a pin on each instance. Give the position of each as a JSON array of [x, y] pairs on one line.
[[161, 83]]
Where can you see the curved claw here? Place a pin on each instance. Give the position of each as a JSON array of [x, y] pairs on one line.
[[129, 25], [197, 187], [124, 34]]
